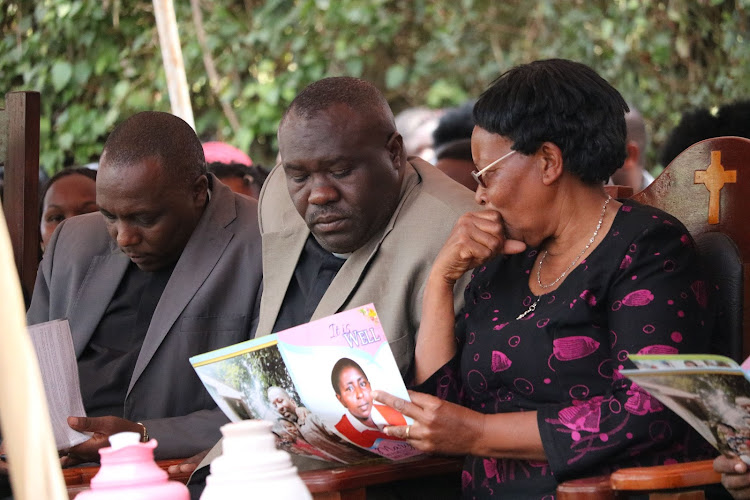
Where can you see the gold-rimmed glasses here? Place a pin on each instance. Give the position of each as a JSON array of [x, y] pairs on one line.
[[477, 174]]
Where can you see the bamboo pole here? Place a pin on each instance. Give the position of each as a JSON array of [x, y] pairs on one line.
[[174, 67], [27, 433]]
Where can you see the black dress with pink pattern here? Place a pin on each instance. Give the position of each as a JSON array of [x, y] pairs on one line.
[[640, 291]]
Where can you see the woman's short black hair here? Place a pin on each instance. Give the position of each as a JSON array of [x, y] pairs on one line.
[[563, 102]]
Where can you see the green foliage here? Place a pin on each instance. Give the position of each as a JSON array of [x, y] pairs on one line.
[[98, 61]]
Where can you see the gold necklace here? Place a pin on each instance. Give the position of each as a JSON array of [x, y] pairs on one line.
[[532, 307]]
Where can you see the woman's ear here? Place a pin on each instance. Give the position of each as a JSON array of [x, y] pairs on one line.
[[551, 162]]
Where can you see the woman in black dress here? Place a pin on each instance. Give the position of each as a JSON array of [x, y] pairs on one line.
[[566, 283]]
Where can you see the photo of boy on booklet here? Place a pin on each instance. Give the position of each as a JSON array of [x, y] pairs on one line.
[[364, 421]]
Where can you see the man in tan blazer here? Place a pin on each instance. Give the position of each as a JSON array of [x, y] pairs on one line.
[[346, 186], [346, 219]]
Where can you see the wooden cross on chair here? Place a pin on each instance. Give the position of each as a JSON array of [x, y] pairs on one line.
[[714, 178]]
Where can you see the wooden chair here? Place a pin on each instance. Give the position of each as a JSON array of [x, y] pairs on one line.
[[19, 152], [707, 188]]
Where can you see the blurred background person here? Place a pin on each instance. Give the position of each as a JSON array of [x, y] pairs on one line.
[[216, 151], [234, 168], [633, 172], [416, 126], [452, 144], [69, 192], [696, 125], [241, 179]]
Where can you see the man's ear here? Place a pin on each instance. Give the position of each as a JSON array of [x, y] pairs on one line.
[[395, 147], [200, 190], [338, 396], [634, 155], [551, 162]]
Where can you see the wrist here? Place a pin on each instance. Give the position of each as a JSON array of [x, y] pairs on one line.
[[440, 281], [144, 432], [476, 446]]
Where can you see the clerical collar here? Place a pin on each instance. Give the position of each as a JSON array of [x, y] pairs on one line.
[[342, 255]]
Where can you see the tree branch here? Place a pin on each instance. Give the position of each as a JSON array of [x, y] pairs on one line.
[[208, 63]]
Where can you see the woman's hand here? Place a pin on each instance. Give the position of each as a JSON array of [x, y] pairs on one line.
[[734, 476], [439, 426], [476, 238]]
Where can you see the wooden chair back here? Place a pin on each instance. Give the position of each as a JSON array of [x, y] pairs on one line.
[[19, 152], [707, 187]]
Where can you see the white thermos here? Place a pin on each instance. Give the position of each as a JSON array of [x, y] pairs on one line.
[[251, 467]]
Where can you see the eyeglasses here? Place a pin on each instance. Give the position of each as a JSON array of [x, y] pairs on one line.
[[477, 174]]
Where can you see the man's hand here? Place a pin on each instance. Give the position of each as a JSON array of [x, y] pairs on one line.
[[734, 476], [102, 427], [439, 426], [476, 238], [189, 465]]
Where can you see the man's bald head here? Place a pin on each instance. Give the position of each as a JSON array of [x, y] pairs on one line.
[[163, 136], [360, 96], [636, 128]]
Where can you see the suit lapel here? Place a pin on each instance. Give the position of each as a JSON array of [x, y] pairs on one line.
[[350, 275], [201, 254], [348, 278], [281, 252], [96, 292]]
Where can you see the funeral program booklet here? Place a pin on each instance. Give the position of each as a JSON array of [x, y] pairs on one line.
[[711, 392], [53, 345], [315, 383]]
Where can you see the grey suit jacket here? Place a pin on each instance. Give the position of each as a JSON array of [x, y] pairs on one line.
[[211, 301], [390, 270]]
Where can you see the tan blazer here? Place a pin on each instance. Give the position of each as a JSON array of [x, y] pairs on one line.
[[390, 270]]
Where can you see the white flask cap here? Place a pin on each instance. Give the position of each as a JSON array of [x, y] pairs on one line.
[[124, 439]]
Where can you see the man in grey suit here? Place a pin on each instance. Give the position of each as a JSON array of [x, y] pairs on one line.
[[168, 269]]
